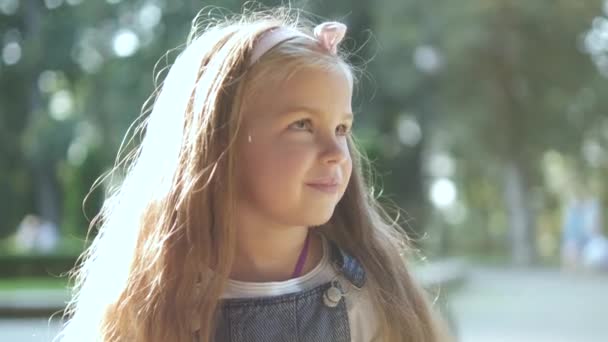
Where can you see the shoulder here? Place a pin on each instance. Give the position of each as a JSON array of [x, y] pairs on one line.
[[363, 319]]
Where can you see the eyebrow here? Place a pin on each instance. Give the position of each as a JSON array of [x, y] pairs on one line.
[[317, 112]]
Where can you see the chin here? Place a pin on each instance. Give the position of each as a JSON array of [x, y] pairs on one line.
[[318, 219]]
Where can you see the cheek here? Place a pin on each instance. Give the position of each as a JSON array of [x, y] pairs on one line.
[[278, 166], [347, 170]]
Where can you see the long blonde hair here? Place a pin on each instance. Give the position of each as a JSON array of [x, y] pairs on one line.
[[169, 224]]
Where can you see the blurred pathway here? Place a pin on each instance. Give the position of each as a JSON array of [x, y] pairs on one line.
[[536, 305], [28, 330]]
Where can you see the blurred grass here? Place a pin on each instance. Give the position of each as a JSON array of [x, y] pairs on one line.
[[32, 283], [66, 245]]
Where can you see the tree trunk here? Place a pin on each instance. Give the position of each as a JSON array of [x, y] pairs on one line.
[[511, 113], [521, 220], [47, 193]]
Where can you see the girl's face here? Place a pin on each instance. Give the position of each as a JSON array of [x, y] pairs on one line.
[[298, 129]]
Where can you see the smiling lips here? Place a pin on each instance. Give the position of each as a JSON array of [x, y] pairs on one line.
[[327, 185]]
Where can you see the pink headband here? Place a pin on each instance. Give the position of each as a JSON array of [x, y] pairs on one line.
[[327, 34]]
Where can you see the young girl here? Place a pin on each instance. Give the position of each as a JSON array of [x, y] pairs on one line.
[[244, 214]]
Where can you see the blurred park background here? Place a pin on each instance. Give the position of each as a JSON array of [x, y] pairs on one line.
[[487, 123]]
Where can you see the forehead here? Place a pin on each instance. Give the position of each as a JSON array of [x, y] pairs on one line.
[[325, 89]]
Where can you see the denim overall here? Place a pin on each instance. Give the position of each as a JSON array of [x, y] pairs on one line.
[[294, 317]]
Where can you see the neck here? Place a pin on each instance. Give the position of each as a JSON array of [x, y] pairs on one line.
[[266, 254]]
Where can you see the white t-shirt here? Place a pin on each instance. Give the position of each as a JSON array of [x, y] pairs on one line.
[[362, 321]]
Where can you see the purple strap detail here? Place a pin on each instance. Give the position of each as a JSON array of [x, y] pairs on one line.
[[302, 258]]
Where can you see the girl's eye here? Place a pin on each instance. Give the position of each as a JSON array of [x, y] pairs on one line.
[[343, 130], [304, 124]]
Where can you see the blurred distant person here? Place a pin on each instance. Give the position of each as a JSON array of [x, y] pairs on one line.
[[582, 221], [573, 237], [36, 235], [595, 253]]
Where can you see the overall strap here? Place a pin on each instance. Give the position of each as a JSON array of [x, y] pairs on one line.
[[347, 265]]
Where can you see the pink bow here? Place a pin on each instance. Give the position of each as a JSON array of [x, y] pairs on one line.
[[330, 34]]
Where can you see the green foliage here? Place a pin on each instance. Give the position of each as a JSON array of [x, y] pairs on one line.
[[486, 83]]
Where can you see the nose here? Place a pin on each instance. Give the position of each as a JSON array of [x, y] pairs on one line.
[[335, 151]]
